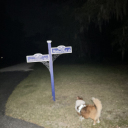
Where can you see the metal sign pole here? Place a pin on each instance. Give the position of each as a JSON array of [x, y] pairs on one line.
[[38, 57], [51, 69]]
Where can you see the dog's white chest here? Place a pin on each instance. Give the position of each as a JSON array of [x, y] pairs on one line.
[[80, 104]]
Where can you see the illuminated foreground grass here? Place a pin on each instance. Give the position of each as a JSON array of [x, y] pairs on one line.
[[32, 101]]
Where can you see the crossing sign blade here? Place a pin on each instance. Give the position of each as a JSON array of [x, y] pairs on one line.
[[37, 58], [61, 49]]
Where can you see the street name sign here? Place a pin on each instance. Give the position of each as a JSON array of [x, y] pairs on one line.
[[38, 57], [61, 49]]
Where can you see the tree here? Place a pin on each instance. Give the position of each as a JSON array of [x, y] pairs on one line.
[[77, 16], [100, 11], [121, 39]]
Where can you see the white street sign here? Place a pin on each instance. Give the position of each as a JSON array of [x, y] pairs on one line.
[[38, 57], [61, 49]]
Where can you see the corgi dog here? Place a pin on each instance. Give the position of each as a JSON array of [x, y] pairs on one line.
[[89, 111]]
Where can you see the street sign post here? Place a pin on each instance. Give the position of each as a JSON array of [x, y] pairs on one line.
[[51, 69], [38, 57]]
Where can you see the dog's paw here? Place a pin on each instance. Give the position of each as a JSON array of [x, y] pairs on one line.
[[94, 124], [98, 121], [81, 118]]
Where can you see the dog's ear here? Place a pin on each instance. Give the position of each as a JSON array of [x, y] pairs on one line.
[[79, 98]]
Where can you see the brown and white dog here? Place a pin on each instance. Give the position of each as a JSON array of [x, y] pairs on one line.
[[89, 111]]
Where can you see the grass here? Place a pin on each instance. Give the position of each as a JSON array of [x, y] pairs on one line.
[[32, 101]]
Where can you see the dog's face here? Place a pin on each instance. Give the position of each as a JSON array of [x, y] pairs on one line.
[[79, 98]]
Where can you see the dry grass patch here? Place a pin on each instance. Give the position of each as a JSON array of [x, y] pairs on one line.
[[32, 101]]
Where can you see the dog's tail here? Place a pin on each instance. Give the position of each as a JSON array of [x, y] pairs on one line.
[[98, 105]]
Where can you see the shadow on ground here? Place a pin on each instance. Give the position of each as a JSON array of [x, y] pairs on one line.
[[8, 81]]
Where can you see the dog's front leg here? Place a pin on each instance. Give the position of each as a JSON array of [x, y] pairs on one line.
[[98, 121], [94, 123]]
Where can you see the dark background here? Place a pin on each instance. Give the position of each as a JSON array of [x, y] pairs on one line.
[[26, 25]]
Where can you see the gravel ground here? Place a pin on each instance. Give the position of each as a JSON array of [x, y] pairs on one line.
[[9, 78]]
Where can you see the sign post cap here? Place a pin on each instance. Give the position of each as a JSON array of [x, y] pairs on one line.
[[49, 41]]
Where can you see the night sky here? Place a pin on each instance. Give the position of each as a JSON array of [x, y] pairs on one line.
[[28, 24], [31, 13]]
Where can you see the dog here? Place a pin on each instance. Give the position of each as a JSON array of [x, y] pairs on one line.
[[89, 111]]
